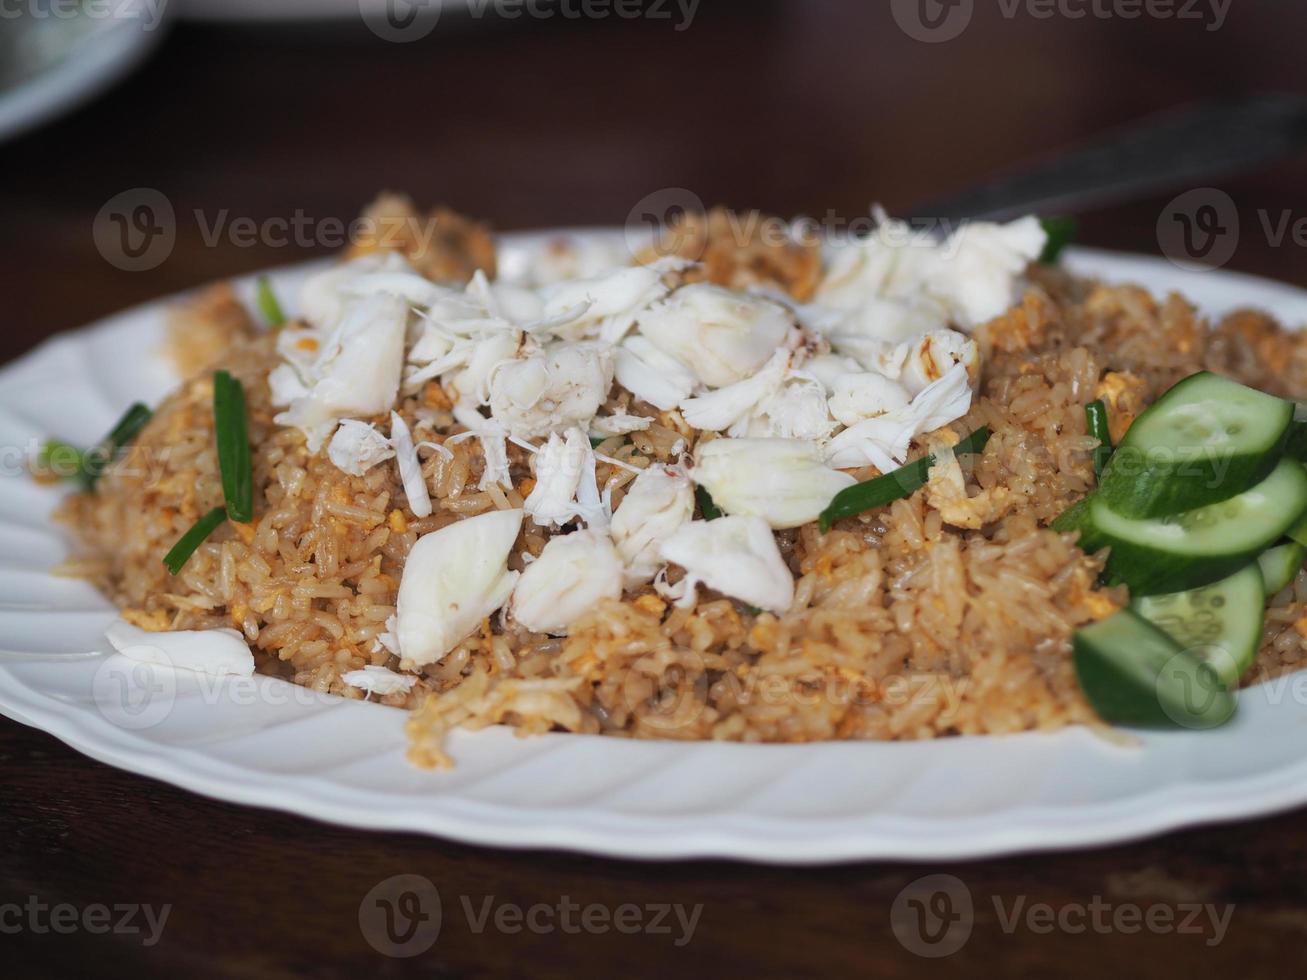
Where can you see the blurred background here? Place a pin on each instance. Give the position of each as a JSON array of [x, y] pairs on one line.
[[567, 112]]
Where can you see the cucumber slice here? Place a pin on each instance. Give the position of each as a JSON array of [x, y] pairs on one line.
[[1279, 566], [1296, 443], [1199, 547], [1219, 623], [1298, 532], [1134, 674], [1204, 441]]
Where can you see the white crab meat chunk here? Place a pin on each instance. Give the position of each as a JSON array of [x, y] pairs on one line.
[[216, 652], [565, 481], [884, 441], [573, 573], [621, 424], [720, 335], [898, 281], [552, 389], [356, 372], [785, 482], [737, 556], [826, 368], [798, 410], [494, 445], [453, 579], [410, 467], [657, 503], [609, 304], [866, 395], [652, 376], [980, 266], [468, 367], [730, 406], [357, 447], [934, 355], [325, 297], [379, 680]]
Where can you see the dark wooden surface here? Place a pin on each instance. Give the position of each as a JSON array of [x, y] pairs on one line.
[[792, 107]]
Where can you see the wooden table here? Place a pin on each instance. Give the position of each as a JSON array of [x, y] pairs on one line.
[[792, 107]]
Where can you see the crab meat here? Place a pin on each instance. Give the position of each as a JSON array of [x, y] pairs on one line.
[[719, 335], [657, 503], [551, 390], [611, 302], [652, 376], [410, 468], [737, 556], [866, 395], [980, 266], [357, 447], [453, 579], [563, 466], [729, 406], [217, 652], [356, 372], [327, 296], [934, 355], [783, 481], [573, 574], [884, 441], [494, 445], [379, 680], [798, 410], [619, 425], [897, 277]]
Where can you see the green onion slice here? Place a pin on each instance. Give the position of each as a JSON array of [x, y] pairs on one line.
[[87, 465], [232, 427], [1096, 421], [185, 547], [268, 303], [63, 460], [903, 482], [707, 508], [1061, 233]]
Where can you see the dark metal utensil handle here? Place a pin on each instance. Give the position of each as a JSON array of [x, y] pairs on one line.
[[1174, 149]]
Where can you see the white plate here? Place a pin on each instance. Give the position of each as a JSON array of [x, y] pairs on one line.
[[51, 64], [270, 744]]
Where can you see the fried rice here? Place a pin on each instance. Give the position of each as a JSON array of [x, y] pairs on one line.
[[942, 614]]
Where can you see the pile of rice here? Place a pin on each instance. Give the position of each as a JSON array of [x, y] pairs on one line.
[[904, 626]]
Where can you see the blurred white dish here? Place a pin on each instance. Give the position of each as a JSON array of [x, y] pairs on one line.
[[52, 61]]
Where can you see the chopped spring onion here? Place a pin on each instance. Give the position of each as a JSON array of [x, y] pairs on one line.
[[903, 482], [268, 304], [87, 465], [232, 428], [1061, 232], [707, 508], [185, 547], [1096, 420], [63, 461]]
